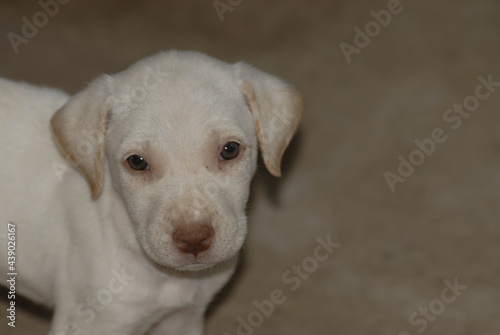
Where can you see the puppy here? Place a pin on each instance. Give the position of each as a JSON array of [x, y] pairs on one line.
[[149, 230]]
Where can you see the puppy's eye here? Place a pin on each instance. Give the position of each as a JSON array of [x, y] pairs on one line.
[[229, 151], [136, 162]]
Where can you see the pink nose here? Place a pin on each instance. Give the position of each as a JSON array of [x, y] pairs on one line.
[[193, 238]]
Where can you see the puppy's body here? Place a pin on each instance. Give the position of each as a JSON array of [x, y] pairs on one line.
[[26, 139], [151, 246]]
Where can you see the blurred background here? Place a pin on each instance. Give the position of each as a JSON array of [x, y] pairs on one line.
[[397, 157]]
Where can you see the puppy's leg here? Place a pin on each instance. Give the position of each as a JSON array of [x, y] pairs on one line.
[[188, 321]]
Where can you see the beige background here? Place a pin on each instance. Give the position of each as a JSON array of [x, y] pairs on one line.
[[397, 248]]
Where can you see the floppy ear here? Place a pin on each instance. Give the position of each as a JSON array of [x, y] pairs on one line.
[[79, 127], [276, 108]]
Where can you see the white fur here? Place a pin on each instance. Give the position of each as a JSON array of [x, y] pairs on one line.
[[104, 258]]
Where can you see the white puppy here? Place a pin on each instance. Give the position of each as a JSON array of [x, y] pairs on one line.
[[168, 148]]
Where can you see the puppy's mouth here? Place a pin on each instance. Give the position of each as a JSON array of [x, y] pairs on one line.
[[183, 263], [195, 267]]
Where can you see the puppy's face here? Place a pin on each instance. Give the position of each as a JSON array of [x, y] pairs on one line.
[[182, 156], [180, 134]]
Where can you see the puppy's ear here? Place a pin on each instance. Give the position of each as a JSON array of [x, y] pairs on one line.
[[276, 108], [79, 127]]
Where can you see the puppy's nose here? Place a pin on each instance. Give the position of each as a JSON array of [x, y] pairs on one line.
[[193, 238]]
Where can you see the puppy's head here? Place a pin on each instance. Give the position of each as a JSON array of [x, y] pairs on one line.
[[179, 134]]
